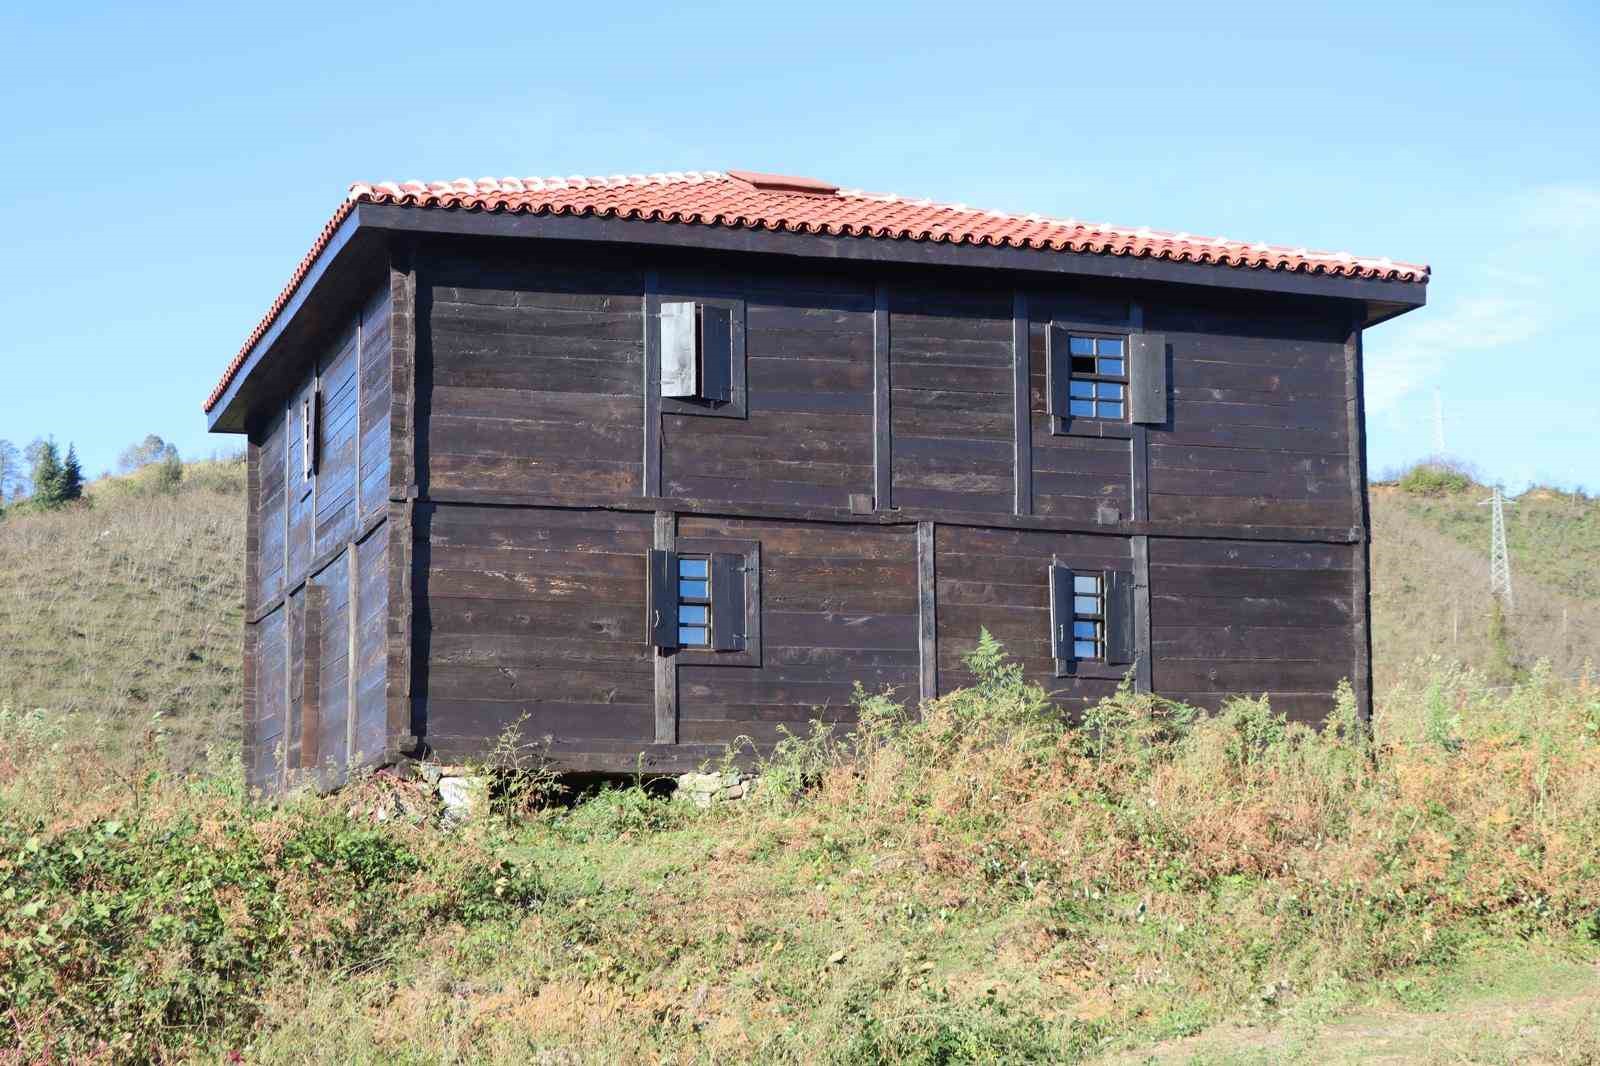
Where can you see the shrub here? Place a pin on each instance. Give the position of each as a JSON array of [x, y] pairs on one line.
[[1437, 477]]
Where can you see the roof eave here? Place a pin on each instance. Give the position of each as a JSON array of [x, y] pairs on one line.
[[366, 223]]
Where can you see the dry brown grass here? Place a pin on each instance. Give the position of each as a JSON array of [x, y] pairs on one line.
[[125, 612]]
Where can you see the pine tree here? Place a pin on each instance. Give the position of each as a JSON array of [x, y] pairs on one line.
[[46, 473], [71, 483]]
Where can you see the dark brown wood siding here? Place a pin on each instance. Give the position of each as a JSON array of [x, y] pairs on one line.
[[304, 534], [532, 621], [532, 376], [838, 606], [1077, 476], [1258, 432], [808, 436], [1251, 617], [999, 580], [950, 374]]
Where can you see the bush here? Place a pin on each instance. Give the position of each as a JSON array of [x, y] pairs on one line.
[[1437, 477], [155, 928]]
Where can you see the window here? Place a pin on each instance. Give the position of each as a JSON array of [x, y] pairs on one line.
[[310, 412], [1102, 384], [1098, 379], [702, 599], [694, 602], [1091, 615], [697, 352], [1088, 617]]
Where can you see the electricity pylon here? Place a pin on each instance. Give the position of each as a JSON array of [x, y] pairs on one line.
[[1499, 557]]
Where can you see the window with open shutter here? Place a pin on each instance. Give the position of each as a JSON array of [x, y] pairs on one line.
[[704, 600], [696, 352], [1091, 616]]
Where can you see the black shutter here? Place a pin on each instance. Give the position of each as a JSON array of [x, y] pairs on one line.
[[716, 354], [661, 602], [1058, 372], [316, 429], [1061, 611], [727, 602], [1119, 616], [1147, 378]]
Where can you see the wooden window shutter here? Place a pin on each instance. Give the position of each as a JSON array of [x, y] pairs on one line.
[[1061, 611], [1058, 373], [716, 354], [661, 618], [1147, 378], [679, 373], [316, 429], [727, 602], [1119, 616]]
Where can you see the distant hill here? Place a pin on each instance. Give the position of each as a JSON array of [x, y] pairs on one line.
[[125, 614]]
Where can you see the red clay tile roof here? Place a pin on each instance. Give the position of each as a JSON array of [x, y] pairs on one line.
[[779, 203]]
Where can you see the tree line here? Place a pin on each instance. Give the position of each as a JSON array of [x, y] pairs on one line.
[[39, 477]]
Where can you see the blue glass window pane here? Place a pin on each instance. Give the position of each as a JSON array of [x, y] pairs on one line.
[[692, 637], [1084, 649], [1083, 407], [1111, 367], [1110, 410], [1082, 388], [692, 568], [1082, 346], [692, 616], [694, 590], [1108, 391], [1086, 586], [1110, 345], [1086, 630], [1086, 604]]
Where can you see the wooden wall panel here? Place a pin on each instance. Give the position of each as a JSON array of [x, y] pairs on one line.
[[263, 761], [301, 490], [838, 605], [534, 384], [336, 464], [295, 658], [271, 527], [999, 580], [372, 607], [533, 619], [376, 386], [1075, 477], [332, 676], [1258, 432], [950, 402], [1247, 617], [808, 435]]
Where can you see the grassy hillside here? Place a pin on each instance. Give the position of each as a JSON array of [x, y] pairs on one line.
[[980, 884], [122, 615]]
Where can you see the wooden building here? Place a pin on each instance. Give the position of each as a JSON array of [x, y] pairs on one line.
[[638, 466]]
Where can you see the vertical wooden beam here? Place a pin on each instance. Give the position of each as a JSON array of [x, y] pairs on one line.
[[252, 600], [311, 677], [927, 612], [1143, 671], [666, 663], [882, 436], [1021, 405], [403, 492], [249, 680], [352, 671], [652, 385], [1139, 474], [1361, 583]]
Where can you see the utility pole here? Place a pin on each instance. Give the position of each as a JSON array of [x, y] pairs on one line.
[[1499, 558]]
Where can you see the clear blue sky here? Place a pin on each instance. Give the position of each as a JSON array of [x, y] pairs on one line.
[[167, 165]]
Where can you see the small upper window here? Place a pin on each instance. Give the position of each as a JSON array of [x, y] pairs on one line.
[[696, 352], [1098, 381]]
